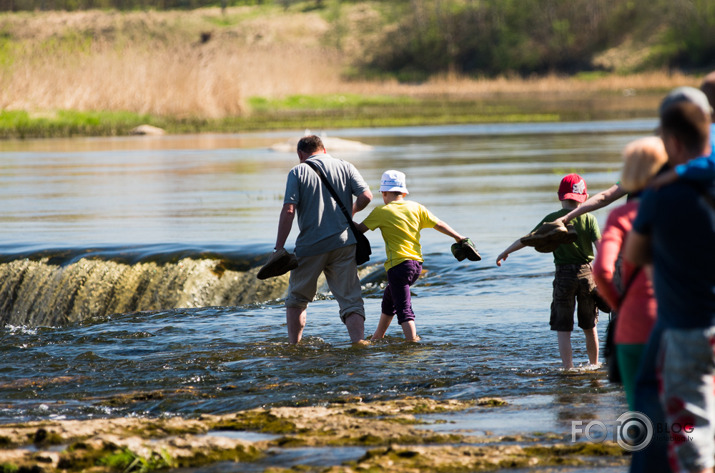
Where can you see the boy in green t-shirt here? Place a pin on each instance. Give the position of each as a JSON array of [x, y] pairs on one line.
[[400, 222], [573, 281]]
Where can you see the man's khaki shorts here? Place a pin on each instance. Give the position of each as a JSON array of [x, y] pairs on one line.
[[341, 275]]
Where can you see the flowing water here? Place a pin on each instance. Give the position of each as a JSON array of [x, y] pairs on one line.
[[127, 277]]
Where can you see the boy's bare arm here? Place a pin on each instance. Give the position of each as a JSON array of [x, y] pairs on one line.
[[447, 230], [361, 226], [516, 246]]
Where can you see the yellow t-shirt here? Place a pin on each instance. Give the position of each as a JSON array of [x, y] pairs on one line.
[[400, 223]]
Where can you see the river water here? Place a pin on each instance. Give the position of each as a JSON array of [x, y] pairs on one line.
[[128, 277]]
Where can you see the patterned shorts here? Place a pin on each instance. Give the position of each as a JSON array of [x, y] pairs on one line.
[[686, 368], [573, 283]]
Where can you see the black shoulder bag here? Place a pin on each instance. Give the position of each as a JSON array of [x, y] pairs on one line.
[[362, 249]]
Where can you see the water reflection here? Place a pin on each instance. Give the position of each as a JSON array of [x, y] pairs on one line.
[[208, 188]]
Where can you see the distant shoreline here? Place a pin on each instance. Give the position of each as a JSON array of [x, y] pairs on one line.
[[103, 73], [365, 111]]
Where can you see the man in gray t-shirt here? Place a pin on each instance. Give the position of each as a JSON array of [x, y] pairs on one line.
[[325, 243]]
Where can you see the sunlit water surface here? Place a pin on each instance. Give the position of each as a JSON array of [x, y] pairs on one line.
[[484, 329]]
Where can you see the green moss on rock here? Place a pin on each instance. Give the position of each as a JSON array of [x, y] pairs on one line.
[[257, 421]]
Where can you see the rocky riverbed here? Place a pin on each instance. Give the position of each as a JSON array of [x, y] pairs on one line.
[[391, 436]]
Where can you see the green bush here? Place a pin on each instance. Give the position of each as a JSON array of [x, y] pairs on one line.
[[689, 41], [495, 37]]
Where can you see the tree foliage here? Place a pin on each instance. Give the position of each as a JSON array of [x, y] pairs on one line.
[[72, 5], [492, 37]]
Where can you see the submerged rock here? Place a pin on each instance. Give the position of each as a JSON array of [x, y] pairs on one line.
[[147, 130], [331, 144]]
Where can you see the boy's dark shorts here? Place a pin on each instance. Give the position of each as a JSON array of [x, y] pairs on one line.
[[573, 283]]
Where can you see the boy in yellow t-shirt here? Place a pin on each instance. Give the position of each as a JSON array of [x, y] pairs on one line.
[[400, 222]]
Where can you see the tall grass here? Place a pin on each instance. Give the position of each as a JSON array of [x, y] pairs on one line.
[[154, 64]]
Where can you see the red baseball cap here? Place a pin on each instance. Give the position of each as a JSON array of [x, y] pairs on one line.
[[573, 187]]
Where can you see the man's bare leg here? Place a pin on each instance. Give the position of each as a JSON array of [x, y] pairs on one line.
[[356, 327], [382, 326], [295, 318], [592, 345], [410, 331], [565, 349]]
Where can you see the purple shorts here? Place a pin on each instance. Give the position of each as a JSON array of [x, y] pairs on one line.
[[397, 299]]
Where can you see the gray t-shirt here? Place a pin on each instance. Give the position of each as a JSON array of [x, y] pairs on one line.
[[323, 226]]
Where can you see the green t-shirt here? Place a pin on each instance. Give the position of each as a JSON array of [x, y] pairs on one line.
[[581, 251], [400, 223]]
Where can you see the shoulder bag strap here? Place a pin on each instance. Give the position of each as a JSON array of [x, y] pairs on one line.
[[634, 274], [349, 217]]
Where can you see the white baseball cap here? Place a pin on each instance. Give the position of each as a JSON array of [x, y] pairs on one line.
[[393, 181]]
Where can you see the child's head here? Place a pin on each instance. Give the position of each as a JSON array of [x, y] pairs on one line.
[[572, 188], [642, 159], [393, 184]]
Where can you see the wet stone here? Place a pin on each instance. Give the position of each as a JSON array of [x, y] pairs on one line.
[[385, 430]]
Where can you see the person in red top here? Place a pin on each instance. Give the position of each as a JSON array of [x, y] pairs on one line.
[[626, 288]]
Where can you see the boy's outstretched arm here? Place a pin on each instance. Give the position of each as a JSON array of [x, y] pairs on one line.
[[447, 230], [516, 246], [361, 226]]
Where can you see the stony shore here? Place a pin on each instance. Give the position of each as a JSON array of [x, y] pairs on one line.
[[392, 434]]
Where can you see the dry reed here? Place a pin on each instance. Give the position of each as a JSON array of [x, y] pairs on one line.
[[153, 62]]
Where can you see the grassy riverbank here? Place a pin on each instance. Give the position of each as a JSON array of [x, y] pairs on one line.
[[255, 68], [328, 112]]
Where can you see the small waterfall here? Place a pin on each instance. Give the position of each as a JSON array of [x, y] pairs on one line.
[[55, 288]]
